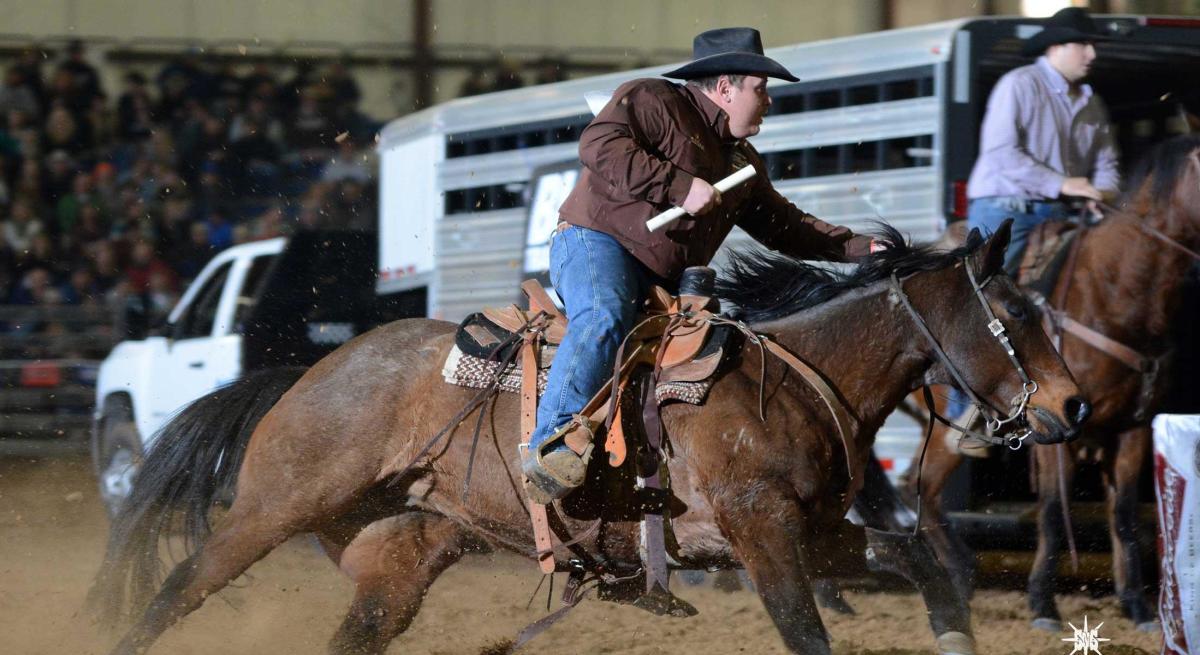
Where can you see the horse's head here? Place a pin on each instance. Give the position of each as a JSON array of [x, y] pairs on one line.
[[1168, 178], [993, 346]]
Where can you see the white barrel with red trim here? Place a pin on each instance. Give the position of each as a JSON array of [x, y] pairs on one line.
[[1177, 488]]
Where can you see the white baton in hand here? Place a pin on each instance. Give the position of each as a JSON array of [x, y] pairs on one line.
[[724, 185]]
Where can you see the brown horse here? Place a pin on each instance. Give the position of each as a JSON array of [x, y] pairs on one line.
[[768, 493], [1126, 283]]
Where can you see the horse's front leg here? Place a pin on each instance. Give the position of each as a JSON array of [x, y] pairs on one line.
[[1121, 487], [1055, 475], [764, 523]]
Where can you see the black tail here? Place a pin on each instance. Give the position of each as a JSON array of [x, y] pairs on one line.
[[192, 459]]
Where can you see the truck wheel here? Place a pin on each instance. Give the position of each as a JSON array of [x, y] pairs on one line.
[[117, 455]]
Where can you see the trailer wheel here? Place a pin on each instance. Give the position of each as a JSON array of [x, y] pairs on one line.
[[116, 454]]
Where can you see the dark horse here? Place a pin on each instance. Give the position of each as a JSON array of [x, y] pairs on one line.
[[1126, 284], [766, 493]]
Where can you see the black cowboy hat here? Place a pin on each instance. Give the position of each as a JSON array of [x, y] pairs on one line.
[[1070, 25], [730, 51]]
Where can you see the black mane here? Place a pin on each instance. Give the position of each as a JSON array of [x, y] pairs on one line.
[[764, 286], [1163, 164]]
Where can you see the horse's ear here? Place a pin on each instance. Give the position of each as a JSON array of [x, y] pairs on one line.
[[994, 249]]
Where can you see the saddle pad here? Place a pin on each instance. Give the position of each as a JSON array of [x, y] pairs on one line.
[[464, 370]]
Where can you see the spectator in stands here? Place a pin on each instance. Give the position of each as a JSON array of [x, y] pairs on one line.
[[161, 294], [21, 226], [62, 92], [203, 139], [549, 71], [99, 123], [290, 92], [190, 257], [64, 133], [348, 164], [70, 206], [83, 76], [35, 288], [81, 288], [310, 133], [220, 232], [60, 175], [143, 265], [270, 224], [106, 265], [227, 90], [17, 94], [104, 178], [29, 62], [346, 93], [27, 134], [135, 110], [262, 84], [508, 75], [254, 161], [91, 227], [258, 110], [476, 83]]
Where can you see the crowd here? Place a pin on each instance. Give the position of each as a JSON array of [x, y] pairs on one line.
[[506, 74], [104, 199]]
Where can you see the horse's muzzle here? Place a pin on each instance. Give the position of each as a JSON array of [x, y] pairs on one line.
[[1075, 413]]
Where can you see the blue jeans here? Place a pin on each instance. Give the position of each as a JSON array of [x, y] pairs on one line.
[[987, 214], [602, 287]]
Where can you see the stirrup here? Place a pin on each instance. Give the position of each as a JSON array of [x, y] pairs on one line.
[[553, 472]]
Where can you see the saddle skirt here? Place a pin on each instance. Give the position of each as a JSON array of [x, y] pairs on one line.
[[693, 352]]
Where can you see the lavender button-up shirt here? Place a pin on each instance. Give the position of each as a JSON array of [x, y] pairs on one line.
[[1035, 134]]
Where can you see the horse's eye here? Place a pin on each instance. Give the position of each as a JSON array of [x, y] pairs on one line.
[[1015, 310]]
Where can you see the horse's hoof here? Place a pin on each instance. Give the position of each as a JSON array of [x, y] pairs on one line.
[[726, 581], [829, 596], [955, 643], [837, 605], [1149, 626], [1049, 625]]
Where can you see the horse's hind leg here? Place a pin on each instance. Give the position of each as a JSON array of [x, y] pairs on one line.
[[1055, 472], [240, 540], [393, 562], [1123, 523]]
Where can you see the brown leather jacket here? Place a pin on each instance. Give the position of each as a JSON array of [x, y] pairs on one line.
[[639, 157]]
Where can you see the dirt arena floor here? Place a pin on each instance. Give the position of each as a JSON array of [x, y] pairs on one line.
[[52, 533]]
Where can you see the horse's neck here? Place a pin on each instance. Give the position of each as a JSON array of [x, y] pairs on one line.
[[863, 344], [1128, 281]]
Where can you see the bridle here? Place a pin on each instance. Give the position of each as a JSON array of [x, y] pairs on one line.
[[996, 417]]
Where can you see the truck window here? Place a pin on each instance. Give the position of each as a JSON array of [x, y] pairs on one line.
[[197, 320], [251, 289]]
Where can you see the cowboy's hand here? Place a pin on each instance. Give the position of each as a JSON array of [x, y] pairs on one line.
[[1079, 187], [701, 198], [879, 246], [1094, 210]]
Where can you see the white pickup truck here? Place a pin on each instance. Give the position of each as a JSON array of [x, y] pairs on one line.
[[256, 305]]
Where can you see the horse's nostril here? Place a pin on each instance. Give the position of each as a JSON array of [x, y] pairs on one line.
[[1077, 410]]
